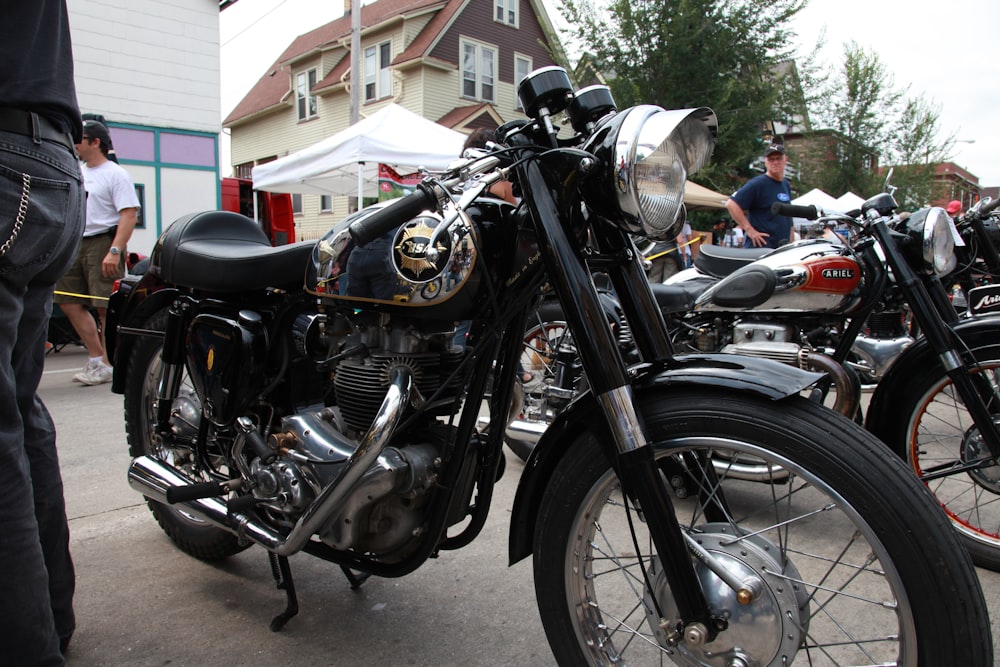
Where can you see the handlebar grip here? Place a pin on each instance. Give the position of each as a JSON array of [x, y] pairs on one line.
[[370, 227], [989, 206], [793, 211]]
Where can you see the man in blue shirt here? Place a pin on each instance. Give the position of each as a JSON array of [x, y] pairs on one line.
[[750, 207]]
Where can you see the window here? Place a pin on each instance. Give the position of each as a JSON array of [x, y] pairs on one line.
[[378, 76], [506, 12], [325, 203], [140, 218], [304, 98], [522, 68], [478, 71], [297, 204]]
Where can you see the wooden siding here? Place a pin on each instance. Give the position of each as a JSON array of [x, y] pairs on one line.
[[476, 22], [427, 90]]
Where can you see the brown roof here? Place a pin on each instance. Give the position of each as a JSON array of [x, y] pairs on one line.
[[471, 117], [276, 84]]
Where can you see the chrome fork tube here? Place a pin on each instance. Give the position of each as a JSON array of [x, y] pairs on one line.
[[606, 372]]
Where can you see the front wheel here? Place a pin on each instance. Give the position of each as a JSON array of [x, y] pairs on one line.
[[857, 563]]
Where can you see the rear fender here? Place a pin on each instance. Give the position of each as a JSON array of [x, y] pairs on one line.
[[146, 298], [883, 410], [764, 377]]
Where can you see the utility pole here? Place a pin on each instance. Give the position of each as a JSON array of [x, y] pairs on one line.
[[355, 60]]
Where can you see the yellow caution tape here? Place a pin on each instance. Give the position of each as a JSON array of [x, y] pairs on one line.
[[667, 252], [81, 296]]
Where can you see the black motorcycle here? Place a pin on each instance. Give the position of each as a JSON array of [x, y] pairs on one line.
[[337, 417]]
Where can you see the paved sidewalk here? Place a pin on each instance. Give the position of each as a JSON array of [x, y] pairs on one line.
[[140, 601]]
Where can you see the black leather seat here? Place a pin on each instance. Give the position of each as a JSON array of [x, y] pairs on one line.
[[720, 261], [221, 251]]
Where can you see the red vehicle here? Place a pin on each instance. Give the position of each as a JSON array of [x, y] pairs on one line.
[[274, 209]]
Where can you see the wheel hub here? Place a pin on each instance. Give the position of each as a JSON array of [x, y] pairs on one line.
[[766, 631], [974, 448]]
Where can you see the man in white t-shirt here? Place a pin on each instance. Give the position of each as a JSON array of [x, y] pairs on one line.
[[112, 208]]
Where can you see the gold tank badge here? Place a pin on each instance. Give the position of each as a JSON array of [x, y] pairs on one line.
[[411, 251], [210, 361]]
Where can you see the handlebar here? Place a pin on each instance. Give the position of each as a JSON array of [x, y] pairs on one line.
[[987, 208], [372, 226], [794, 211]]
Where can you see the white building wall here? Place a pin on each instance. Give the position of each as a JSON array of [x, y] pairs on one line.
[[148, 62], [152, 69]]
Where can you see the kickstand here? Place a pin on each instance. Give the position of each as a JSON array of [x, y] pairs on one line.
[[283, 578], [355, 579]]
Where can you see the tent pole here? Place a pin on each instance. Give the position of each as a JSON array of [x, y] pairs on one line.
[[361, 184]]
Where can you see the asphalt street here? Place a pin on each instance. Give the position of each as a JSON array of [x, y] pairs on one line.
[[140, 601]]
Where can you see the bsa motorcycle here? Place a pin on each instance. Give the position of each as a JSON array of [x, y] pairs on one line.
[[307, 398]]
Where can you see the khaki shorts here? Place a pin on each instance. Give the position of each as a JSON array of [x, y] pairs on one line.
[[85, 276]]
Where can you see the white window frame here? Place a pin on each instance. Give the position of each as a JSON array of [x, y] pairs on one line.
[[518, 59], [296, 203], [378, 76], [325, 203], [306, 106], [485, 87], [507, 12]]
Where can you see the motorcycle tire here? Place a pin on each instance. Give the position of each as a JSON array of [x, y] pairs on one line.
[[191, 534], [930, 427], [858, 563]]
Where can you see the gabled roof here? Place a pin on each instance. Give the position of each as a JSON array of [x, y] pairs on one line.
[[275, 84], [471, 117]]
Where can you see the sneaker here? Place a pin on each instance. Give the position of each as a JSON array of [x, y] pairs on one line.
[[97, 374], [88, 369]]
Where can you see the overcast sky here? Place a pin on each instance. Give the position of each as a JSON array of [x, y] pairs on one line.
[[946, 51]]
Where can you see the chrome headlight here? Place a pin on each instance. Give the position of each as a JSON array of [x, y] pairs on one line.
[[648, 154], [931, 234]]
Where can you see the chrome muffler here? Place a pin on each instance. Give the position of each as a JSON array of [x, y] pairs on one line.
[[152, 477]]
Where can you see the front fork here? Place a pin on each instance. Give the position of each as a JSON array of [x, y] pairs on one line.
[[629, 450], [937, 317]]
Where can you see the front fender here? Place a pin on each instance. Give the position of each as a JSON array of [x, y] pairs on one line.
[[767, 378], [884, 406]]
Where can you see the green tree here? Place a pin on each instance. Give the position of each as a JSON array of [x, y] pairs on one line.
[[875, 124], [723, 54], [915, 150]]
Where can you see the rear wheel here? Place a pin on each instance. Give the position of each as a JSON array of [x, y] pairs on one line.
[[858, 564], [191, 534], [547, 332]]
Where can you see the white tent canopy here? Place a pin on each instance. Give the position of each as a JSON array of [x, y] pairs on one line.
[[393, 136], [818, 198], [848, 202]]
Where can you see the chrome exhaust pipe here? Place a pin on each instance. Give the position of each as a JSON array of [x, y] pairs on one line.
[[526, 431], [152, 478]]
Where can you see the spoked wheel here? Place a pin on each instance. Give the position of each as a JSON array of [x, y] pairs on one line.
[[844, 547], [941, 435], [190, 533]]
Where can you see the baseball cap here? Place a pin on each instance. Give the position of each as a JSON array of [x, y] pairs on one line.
[[97, 130], [954, 206], [774, 147]]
